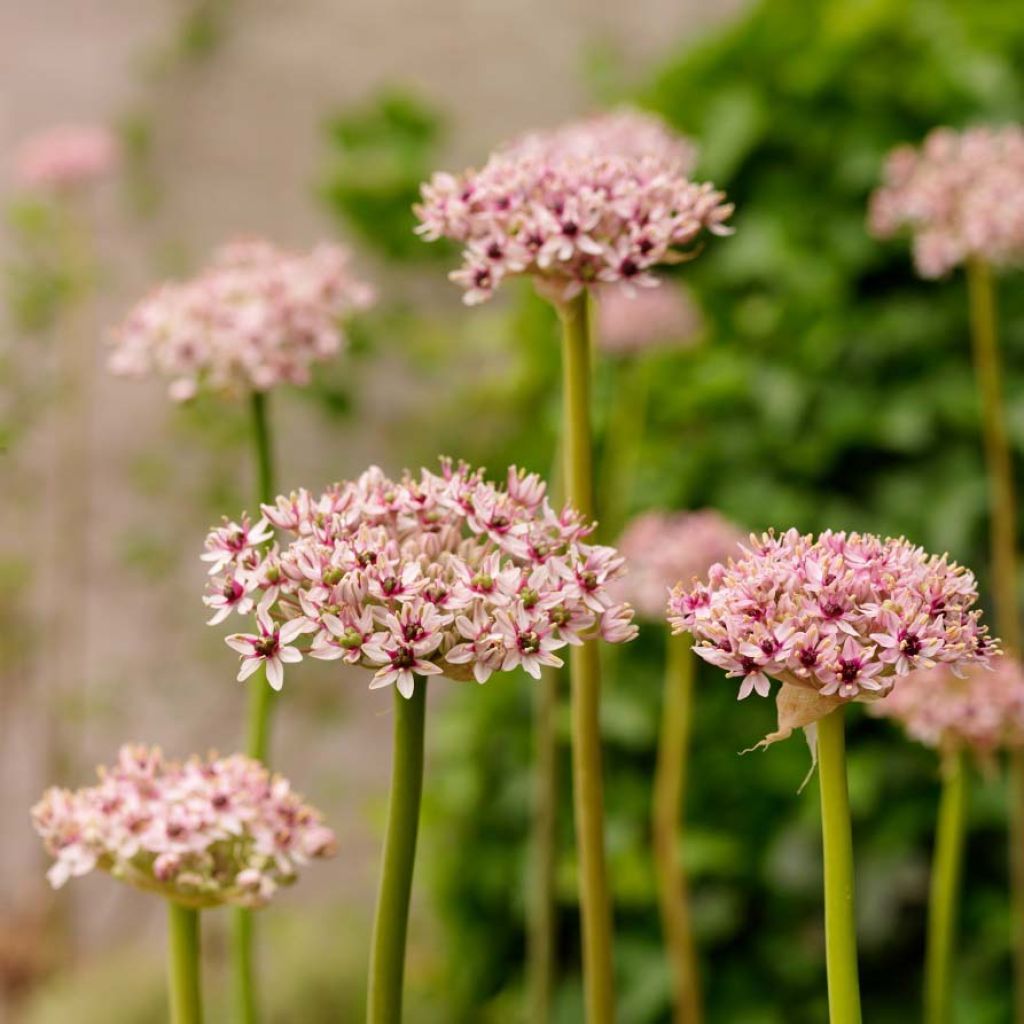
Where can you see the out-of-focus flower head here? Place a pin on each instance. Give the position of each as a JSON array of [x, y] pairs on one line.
[[982, 710], [842, 614], [436, 573], [662, 548], [596, 201], [631, 320], [66, 156], [200, 832], [961, 195], [258, 317]]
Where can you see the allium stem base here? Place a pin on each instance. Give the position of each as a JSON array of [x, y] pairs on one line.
[[183, 964]]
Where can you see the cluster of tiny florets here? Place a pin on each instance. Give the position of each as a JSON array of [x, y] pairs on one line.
[[961, 195], [258, 317], [440, 573], [842, 614], [662, 548], [66, 156], [982, 710], [200, 832], [630, 321], [603, 200]]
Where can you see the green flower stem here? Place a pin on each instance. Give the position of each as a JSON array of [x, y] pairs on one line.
[[947, 864], [585, 683], [1003, 547], [387, 951], [837, 842], [261, 704], [670, 779], [183, 964]]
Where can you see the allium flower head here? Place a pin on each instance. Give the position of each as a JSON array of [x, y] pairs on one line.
[[66, 156], [630, 321], [440, 573], [961, 195], [258, 317], [661, 548], [982, 710], [842, 614], [200, 832], [603, 200]]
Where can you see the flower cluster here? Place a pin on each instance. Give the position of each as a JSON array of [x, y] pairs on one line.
[[961, 194], [200, 832], [661, 548], [983, 709], [841, 614], [66, 156], [631, 321], [603, 200], [258, 317], [441, 573]]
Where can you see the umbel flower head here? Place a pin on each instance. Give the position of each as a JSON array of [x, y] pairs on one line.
[[630, 321], [844, 615], [200, 832], [436, 573], [961, 195], [258, 317], [603, 200], [981, 710], [661, 548], [66, 156]]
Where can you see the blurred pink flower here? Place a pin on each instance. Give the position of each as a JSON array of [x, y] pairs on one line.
[[258, 317], [630, 321], [66, 156], [200, 832], [961, 195], [829, 614], [662, 548], [982, 710], [602, 200], [441, 573]]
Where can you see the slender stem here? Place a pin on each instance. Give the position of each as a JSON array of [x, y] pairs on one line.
[[947, 865], [837, 841], [670, 779], [1003, 547], [387, 951], [183, 964], [585, 680], [261, 704]]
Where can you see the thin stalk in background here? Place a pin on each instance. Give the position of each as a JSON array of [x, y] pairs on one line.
[[947, 869], [837, 848], [261, 703], [390, 926], [670, 778], [183, 964], [1003, 541], [585, 683]]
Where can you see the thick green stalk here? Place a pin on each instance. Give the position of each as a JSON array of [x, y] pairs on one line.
[[1003, 547], [585, 681], [261, 703], [387, 951], [837, 843], [670, 777], [947, 866], [186, 1003]]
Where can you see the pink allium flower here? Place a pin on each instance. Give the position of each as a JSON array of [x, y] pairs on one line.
[[961, 195], [630, 321], [604, 200], [841, 614], [200, 832], [258, 317], [66, 156], [441, 573], [982, 710], [662, 548]]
